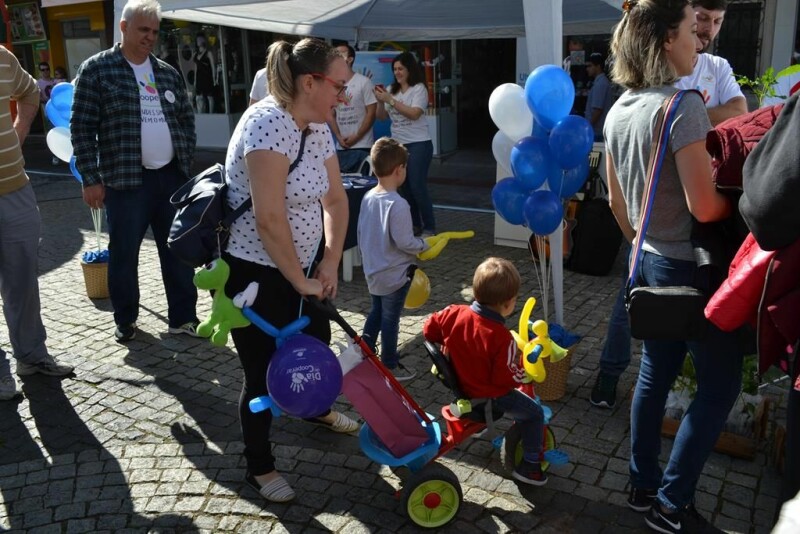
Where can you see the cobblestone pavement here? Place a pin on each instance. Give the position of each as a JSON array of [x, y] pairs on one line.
[[145, 437]]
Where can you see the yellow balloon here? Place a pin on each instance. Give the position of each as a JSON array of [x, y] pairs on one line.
[[524, 318], [419, 291], [437, 243]]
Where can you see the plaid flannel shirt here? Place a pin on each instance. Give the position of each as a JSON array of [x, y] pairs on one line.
[[106, 121]]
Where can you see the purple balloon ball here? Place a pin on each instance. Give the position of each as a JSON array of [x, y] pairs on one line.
[[304, 376]]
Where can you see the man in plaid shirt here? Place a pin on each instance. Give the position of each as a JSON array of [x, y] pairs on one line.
[[133, 137]]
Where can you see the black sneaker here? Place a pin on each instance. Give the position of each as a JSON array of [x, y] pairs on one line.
[[640, 500], [694, 522], [604, 392], [661, 521], [125, 332], [530, 473]]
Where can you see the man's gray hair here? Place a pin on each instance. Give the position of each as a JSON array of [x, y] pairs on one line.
[[145, 8]]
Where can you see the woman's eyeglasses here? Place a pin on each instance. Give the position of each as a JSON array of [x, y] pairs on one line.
[[340, 87]]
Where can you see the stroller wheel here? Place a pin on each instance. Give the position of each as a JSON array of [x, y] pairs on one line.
[[432, 496], [511, 451]]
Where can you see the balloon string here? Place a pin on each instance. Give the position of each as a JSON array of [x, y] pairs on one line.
[[97, 219]]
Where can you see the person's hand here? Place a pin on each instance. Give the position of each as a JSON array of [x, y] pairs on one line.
[[328, 276], [349, 141], [343, 141], [94, 195], [310, 287], [382, 94]]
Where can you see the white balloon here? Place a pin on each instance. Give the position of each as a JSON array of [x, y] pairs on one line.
[[501, 148], [59, 141], [509, 111]]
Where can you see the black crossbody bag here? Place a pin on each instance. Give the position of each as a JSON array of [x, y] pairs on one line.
[[662, 313]]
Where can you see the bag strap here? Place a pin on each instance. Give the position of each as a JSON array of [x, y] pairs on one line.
[[661, 131], [244, 206]]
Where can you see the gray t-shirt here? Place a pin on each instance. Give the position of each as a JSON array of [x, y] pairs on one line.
[[386, 241], [629, 135]]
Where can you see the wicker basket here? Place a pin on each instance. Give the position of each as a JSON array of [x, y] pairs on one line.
[[95, 275], [555, 383]]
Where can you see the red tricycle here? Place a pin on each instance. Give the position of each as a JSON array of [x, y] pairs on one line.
[[398, 432]]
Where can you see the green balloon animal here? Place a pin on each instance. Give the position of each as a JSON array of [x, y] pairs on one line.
[[224, 314]]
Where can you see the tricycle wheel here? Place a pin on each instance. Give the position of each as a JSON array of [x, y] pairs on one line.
[[432, 496], [511, 451]]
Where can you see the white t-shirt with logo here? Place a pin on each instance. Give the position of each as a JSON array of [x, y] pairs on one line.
[[157, 149], [350, 113], [267, 126], [404, 129], [260, 88], [713, 77], [785, 87]]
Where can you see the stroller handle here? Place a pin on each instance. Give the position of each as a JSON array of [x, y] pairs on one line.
[[328, 308]]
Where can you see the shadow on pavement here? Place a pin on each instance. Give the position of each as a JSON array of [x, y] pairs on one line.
[[92, 482]]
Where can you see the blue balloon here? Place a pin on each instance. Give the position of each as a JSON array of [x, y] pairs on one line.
[[571, 140], [54, 115], [550, 94], [304, 377], [543, 212], [59, 107], [508, 197], [532, 162], [570, 181], [74, 170], [539, 132]]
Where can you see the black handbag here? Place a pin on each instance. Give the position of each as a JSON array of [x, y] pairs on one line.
[[202, 221], [662, 313]]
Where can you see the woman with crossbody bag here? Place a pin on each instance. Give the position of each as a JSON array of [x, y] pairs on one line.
[[281, 155], [654, 45]]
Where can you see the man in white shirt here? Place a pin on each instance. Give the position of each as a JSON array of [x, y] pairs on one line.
[[713, 75], [354, 116]]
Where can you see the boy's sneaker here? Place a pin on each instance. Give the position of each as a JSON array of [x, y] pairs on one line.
[[530, 473], [125, 332], [686, 520], [604, 392], [190, 329], [8, 388], [640, 500], [48, 367], [402, 373]]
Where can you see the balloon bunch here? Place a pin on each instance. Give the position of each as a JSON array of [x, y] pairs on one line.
[[59, 138], [544, 147], [535, 350]]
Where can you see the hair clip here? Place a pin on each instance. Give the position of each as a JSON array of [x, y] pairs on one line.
[[627, 5]]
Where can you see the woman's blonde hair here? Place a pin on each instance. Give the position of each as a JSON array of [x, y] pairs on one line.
[[637, 46], [496, 281], [287, 61]]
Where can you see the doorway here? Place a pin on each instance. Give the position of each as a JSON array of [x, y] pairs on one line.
[[484, 64]]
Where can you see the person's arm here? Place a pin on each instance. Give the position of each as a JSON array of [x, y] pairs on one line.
[[401, 229], [84, 124], [507, 370], [616, 201], [380, 112], [27, 95], [432, 329], [732, 108], [596, 114], [334, 126], [268, 172], [702, 199], [335, 212], [365, 126], [729, 92]]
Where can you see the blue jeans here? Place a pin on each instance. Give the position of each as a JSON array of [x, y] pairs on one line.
[[616, 355], [351, 159], [718, 367], [415, 188], [528, 414], [384, 317], [129, 213]]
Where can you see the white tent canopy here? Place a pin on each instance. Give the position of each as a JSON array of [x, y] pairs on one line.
[[388, 20]]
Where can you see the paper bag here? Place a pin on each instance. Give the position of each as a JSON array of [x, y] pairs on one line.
[[392, 420]]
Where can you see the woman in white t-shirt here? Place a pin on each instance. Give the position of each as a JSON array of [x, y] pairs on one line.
[[405, 103], [274, 243]]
